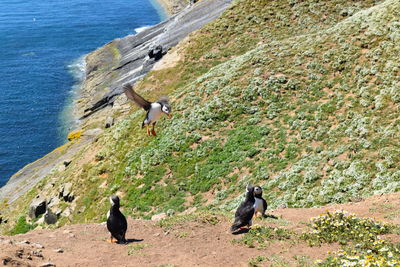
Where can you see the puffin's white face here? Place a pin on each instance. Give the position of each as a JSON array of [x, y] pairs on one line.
[[257, 190], [166, 109], [111, 201]]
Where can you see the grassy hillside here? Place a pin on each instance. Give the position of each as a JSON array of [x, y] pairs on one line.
[[301, 97]]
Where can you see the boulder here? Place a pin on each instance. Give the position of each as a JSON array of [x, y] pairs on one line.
[[74, 135], [66, 192], [93, 132], [109, 122], [37, 208], [158, 217], [54, 201], [66, 212], [58, 212], [189, 211]]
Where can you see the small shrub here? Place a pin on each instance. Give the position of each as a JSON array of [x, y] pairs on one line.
[[135, 248], [22, 226], [340, 226], [254, 262]]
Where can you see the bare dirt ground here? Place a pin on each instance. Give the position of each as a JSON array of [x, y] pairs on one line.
[[194, 243]]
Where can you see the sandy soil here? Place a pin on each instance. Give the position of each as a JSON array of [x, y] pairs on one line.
[[191, 244]]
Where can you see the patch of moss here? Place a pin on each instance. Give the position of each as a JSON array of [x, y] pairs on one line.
[[21, 226]]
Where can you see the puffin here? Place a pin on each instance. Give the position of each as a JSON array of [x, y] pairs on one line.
[[245, 211], [50, 217], [154, 109], [260, 206], [116, 221]]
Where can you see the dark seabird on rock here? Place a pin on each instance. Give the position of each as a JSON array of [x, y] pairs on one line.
[[116, 222], [154, 110], [50, 217], [245, 211], [260, 205]]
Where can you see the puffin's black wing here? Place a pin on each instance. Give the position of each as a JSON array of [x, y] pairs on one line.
[[132, 95], [264, 205], [164, 100], [243, 216]]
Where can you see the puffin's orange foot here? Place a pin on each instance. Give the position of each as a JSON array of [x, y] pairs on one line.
[[148, 132], [111, 240], [153, 132]]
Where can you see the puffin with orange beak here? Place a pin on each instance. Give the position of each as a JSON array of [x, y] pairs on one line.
[[154, 109]]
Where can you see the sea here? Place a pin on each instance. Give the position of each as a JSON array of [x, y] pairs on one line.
[[42, 49]]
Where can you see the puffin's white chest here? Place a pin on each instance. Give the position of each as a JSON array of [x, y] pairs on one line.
[[258, 205], [154, 113]]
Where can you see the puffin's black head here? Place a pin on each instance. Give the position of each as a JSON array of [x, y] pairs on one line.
[[114, 200], [250, 191], [165, 106], [257, 191]]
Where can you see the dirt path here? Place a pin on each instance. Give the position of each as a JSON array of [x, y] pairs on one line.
[[192, 243]]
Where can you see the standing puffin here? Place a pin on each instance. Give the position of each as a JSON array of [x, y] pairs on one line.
[[154, 110], [260, 205], [116, 222], [245, 211]]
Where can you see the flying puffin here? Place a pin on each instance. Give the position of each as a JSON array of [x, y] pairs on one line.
[[260, 206], [245, 211], [154, 110], [116, 222]]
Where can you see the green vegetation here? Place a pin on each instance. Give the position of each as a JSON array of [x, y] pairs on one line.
[[254, 262], [136, 248], [259, 237], [21, 227]]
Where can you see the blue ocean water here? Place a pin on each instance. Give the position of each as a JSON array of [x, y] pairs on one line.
[[41, 43]]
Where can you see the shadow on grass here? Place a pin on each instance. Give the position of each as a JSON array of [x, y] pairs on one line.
[[241, 231], [270, 216], [133, 240]]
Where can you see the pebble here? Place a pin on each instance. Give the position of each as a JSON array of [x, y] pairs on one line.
[[37, 253], [37, 245], [59, 250], [47, 264]]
